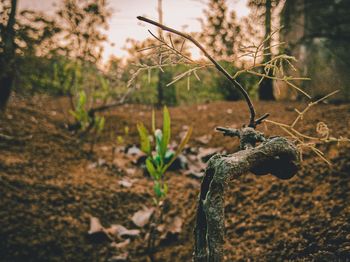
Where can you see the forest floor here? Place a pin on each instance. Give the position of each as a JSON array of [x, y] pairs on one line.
[[50, 187]]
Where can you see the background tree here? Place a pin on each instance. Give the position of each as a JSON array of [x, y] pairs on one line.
[[7, 49], [221, 31], [263, 9], [161, 81], [166, 94], [83, 23], [317, 34], [36, 34], [27, 39], [222, 35], [37, 49]]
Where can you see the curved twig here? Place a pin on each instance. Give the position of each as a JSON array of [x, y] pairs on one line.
[[252, 122], [121, 101]]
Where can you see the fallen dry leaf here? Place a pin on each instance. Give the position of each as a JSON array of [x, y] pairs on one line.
[[95, 226], [176, 225], [171, 229], [125, 183], [142, 217], [120, 231], [97, 232]]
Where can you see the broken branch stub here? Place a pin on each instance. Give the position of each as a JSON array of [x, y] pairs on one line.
[[277, 156]]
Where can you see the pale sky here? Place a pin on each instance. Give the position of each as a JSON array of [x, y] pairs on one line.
[[123, 24]]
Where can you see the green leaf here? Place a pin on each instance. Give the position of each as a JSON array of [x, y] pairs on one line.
[[155, 201], [157, 189], [144, 138], [151, 169], [153, 121], [120, 140], [104, 83], [126, 130], [166, 131], [82, 99], [179, 149], [100, 124], [165, 189], [74, 114]]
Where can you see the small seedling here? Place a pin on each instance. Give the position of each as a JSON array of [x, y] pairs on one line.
[[157, 163], [87, 123], [161, 158], [98, 126], [80, 113], [118, 140]]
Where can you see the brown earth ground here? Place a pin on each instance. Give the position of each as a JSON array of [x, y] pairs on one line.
[[49, 188]]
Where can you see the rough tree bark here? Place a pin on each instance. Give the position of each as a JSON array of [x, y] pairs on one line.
[[277, 156]]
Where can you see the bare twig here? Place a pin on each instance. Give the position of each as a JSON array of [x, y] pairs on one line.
[[171, 47], [109, 106], [307, 141], [301, 114]]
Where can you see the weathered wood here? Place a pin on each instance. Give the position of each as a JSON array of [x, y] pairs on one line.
[[277, 156]]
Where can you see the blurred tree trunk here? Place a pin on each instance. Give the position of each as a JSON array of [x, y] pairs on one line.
[[160, 100], [160, 83], [7, 57], [317, 34], [168, 95], [266, 86]]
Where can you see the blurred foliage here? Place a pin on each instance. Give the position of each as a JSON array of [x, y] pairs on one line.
[[221, 30], [231, 93], [211, 87], [61, 55], [55, 76], [82, 116], [67, 77], [82, 24], [169, 92]]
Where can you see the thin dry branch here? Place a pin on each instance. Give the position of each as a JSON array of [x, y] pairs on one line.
[[307, 141], [276, 65], [172, 47], [252, 122], [272, 69], [121, 101]]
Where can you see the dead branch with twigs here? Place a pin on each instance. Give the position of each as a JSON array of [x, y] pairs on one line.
[[260, 155], [213, 61], [171, 55]]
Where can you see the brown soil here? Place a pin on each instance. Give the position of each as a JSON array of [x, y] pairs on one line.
[[49, 189]]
